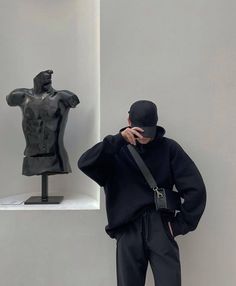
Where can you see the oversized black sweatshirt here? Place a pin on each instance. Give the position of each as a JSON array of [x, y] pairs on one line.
[[110, 164]]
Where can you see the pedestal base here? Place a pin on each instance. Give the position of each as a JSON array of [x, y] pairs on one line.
[[38, 200]]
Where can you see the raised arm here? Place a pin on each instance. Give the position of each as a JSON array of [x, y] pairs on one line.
[[97, 162]]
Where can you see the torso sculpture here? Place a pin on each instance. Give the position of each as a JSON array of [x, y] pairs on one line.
[[45, 113]]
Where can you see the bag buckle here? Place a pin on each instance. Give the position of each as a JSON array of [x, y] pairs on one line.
[[159, 194]]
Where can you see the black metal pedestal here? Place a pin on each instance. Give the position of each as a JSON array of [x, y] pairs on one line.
[[44, 199]]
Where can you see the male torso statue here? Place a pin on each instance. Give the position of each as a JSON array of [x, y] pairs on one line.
[[45, 113]]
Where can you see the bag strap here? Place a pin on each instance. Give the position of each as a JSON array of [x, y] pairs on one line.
[[144, 169]]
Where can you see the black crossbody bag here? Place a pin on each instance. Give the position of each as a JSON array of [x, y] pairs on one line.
[[165, 200]]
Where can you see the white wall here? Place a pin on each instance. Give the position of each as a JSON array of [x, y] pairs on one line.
[[51, 248], [180, 54], [62, 36]]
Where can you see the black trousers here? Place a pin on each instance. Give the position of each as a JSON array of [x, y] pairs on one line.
[[147, 238]]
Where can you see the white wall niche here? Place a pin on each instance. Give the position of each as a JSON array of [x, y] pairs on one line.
[[63, 36]]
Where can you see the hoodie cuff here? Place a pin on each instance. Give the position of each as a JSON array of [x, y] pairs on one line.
[[119, 141], [179, 227], [116, 141], [176, 228]]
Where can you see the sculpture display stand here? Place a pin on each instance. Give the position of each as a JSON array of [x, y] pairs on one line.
[[44, 199]]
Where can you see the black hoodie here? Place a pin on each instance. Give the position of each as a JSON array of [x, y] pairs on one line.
[[110, 164]]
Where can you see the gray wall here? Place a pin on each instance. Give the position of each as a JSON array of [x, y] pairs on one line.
[[180, 54]]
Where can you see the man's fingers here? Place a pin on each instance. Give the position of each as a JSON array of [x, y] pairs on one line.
[[136, 133], [131, 138], [137, 128], [128, 136], [132, 134], [170, 228]]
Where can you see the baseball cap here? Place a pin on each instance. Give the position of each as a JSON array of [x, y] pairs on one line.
[[143, 114]]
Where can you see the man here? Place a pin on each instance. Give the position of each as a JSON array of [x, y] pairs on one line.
[[142, 233]]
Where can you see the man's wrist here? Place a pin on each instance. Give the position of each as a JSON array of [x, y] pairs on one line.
[[116, 141]]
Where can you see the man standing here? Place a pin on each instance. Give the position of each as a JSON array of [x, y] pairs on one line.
[[142, 233]]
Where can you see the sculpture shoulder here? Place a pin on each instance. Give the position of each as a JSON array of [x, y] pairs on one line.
[[68, 98], [18, 96]]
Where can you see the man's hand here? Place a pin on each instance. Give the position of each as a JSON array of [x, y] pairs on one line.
[[170, 228], [129, 134]]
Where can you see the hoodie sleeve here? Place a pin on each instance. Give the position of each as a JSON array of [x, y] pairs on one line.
[[97, 162], [190, 185]]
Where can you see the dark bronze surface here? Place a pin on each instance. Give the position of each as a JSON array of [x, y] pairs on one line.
[[45, 112]]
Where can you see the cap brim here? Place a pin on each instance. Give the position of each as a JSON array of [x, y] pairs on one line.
[[149, 131]]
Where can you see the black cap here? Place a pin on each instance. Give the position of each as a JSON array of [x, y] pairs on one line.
[[143, 114]]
